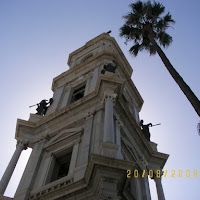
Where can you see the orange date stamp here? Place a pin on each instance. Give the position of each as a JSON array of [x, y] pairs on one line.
[[167, 173]]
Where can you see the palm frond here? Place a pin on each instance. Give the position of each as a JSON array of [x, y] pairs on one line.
[[165, 39], [168, 19], [135, 49], [157, 9], [130, 33], [146, 21], [138, 7]]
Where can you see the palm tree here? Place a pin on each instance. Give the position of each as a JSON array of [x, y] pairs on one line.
[[146, 26]]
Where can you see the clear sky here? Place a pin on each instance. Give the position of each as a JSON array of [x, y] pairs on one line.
[[36, 38]]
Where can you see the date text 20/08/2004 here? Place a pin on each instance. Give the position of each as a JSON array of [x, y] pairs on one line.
[[167, 173]]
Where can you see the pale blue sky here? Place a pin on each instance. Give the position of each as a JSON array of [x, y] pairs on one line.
[[36, 38]]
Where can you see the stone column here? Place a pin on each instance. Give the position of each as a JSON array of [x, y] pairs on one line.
[[11, 166], [159, 188], [118, 139], [147, 189], [138, 187], [108, 121], [146, 194], [108, 147], [30, 171]]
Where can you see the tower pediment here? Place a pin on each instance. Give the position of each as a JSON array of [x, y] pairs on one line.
[[65, 136]]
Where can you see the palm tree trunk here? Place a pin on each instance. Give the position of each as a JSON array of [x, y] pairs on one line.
[[176, 76]]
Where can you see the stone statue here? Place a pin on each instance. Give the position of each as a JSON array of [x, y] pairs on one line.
[[42, 106], [50, 101], [145, 129], [110, 67]]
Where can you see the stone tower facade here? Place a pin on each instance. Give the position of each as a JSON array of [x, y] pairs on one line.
[[89, 144]]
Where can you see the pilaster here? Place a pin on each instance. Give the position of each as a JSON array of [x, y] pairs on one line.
[[94, 79], [85, 146], [65, 97], [74, 156], [118, 138]]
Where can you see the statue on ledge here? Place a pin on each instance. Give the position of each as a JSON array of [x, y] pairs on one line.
[[110, 67], [145, 129], [43, 106]]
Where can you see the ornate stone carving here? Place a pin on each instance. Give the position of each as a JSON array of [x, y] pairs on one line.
[[109, 96], [47, 191], [43, 138], [22, 143]]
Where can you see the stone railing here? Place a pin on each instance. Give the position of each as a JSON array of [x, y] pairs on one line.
[[50, 189]]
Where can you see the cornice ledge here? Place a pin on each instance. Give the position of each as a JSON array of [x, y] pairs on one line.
[[21, 122], [25, 123], [160, 155], [106, 161]]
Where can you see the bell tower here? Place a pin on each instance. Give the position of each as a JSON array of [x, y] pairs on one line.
[[89, 144]]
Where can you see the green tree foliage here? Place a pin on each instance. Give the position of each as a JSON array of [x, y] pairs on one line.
[[146, 27]]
